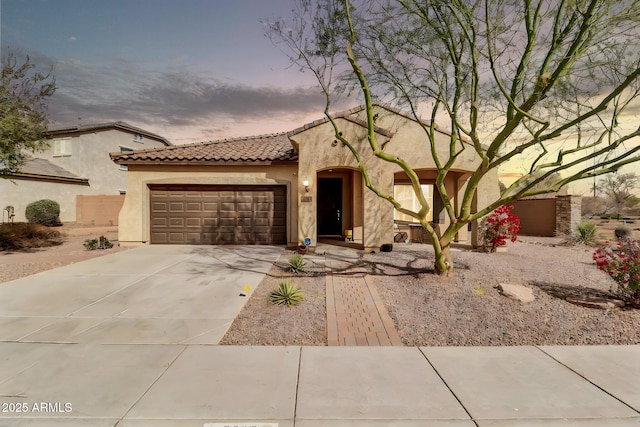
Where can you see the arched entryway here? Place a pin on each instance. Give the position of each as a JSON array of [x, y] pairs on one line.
[[340, 207]]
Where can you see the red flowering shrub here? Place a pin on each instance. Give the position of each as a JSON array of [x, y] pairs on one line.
[[621, 261], [501, 225]]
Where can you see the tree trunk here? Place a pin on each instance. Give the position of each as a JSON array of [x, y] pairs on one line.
[[443, 261]]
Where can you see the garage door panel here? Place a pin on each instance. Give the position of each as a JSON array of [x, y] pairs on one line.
[[177, 222], [159, 207], [245, 222], [201, 214], [194, 222], [210, 222], [176, 207], [176, 237], [159, 222], [226, 222], [193, 238]]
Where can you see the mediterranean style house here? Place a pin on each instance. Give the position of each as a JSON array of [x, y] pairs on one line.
[[286, 188], [77, 165]]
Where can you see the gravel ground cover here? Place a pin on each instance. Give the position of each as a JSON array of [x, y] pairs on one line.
[[14, 265], [463, 310]]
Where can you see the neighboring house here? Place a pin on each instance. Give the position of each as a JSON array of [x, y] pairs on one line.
[[77, 164], [283, 188]]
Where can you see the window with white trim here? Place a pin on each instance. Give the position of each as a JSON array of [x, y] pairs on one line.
[[62, 147], [125, 150], [405, 195]]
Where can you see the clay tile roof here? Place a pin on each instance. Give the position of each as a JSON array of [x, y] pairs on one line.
[[262, 148]]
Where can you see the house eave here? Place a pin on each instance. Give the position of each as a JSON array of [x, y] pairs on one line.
[[203, 162], [48, 178]]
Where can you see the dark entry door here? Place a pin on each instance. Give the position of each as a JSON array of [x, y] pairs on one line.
[[330, 206]]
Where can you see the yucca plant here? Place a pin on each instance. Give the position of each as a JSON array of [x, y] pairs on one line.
[[286, 294], [586, 232], [296, 263]]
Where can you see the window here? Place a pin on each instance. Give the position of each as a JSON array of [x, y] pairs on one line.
[[404, 194], [125, 150], [137, 138], [62, 147]]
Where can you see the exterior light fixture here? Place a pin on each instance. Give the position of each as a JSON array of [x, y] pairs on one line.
[[306, 185]]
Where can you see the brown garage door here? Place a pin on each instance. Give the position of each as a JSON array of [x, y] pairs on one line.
[[213, 214]]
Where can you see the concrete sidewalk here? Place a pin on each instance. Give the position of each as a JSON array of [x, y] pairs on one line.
[[198, 385], [128, 339]]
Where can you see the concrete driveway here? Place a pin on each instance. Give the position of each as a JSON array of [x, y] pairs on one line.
[[148, 295], [128, 340]]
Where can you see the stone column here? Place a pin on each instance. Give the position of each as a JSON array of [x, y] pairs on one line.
[[568, 214]]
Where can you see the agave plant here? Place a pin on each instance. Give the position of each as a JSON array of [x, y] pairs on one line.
[[286, 294], [296, 263], [586, 232]]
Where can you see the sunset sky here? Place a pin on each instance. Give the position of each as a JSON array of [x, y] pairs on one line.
[[189, 70]]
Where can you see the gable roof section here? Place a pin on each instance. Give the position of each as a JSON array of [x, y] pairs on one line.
[[36, 169], [262, 149], [64, 130], [349, 116]]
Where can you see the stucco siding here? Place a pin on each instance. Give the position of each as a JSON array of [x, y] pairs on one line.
[[89, 158], [319, 151], [134, 226], [19, 193]]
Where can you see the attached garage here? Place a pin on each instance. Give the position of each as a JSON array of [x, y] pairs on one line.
[[218, 214]]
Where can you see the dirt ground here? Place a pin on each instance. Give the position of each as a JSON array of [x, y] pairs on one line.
[[14, 265]]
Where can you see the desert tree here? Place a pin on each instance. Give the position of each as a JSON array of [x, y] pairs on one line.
[[544, 83], [617, 188], [23, 111]]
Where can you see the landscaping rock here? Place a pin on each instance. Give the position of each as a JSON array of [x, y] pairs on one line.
[[517, 292]]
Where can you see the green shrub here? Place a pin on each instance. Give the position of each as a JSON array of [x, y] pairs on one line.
[[286, 294], [22, 236], [586, 232], [44, 212], [296, 263], [99, 243]]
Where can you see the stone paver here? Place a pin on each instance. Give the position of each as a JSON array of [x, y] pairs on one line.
[[356, 315]]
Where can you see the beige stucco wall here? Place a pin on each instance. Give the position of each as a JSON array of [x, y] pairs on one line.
[[134, 227], [319, 152], [19, 193], [89, 159]]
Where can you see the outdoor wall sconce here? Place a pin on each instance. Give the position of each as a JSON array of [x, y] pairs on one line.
[[306, 185]]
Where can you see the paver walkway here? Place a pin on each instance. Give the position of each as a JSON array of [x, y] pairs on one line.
[[356, 315]]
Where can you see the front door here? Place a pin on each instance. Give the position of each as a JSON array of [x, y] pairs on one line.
[[330, 206]]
